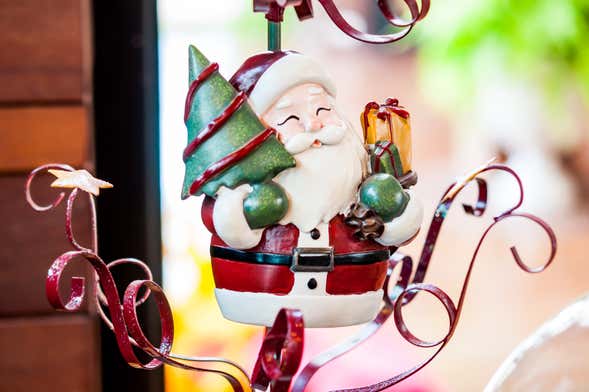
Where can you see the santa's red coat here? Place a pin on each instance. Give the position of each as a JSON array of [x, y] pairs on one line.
[[279, 279]]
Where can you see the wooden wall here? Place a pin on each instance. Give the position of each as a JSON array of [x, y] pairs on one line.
[[45, 116]]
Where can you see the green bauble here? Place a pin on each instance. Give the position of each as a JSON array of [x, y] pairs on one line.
[[265, 205], [384, 194]]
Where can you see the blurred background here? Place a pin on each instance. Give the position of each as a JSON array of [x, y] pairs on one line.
[[482, 79]]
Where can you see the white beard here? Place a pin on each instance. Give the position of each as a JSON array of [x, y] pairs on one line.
[[324, 181]]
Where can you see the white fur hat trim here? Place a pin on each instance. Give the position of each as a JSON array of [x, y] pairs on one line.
[[287, 72]]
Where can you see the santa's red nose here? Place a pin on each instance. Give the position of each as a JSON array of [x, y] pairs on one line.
[[313, 124]]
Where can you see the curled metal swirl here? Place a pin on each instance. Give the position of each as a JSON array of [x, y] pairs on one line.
[[101, 300], [69, 222], [406, 288], [123, 321], [417, 14], [31, 178], [57, 201], [452, 310], [304, 10], [281, 350], [118, 319]]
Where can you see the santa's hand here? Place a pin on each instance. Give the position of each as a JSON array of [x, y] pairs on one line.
[[266, 205], [229, 218], [404, 227]]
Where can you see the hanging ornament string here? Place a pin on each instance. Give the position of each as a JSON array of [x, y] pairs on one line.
[[274, 10], [403, 292], [123, 320]]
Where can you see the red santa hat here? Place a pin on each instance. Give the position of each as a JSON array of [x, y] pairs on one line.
[[266, 76]]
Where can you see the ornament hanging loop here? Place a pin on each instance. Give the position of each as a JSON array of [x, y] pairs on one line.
[[275, 16], [274, 10]]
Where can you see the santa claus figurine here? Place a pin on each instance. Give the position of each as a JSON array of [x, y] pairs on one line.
[[298, 217]]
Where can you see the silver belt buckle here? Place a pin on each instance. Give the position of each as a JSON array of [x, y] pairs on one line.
[[312, 259]]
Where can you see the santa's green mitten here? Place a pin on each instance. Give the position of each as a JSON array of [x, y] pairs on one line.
[[265, 205], [383, 194]]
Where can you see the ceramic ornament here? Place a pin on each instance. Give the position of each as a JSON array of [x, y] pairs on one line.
[[286, 243], [307, 217]]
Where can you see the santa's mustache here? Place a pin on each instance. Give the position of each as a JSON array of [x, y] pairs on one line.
[[331, 134]]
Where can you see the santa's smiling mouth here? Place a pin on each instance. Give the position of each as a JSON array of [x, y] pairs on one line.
[[305, 140]]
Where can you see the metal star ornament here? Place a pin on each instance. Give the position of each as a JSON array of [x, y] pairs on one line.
[[78, 179]]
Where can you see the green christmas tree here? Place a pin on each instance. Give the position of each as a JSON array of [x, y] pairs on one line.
[[239, 150]]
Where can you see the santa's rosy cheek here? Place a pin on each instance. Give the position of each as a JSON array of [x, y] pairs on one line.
[[288, 131], [330, 118]]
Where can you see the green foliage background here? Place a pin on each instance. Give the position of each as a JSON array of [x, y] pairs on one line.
[[543, 41]]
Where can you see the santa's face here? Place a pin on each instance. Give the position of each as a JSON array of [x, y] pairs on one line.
[[331, 159], [304, 117]]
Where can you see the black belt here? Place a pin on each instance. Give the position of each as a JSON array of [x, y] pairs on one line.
[[302, 259]]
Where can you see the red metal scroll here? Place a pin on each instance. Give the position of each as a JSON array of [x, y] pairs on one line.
[[281, 351], [403, 292], [274, 10], [123, 319]]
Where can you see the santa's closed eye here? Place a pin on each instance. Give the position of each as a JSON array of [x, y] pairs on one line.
[[322, 108], [291, 117]]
